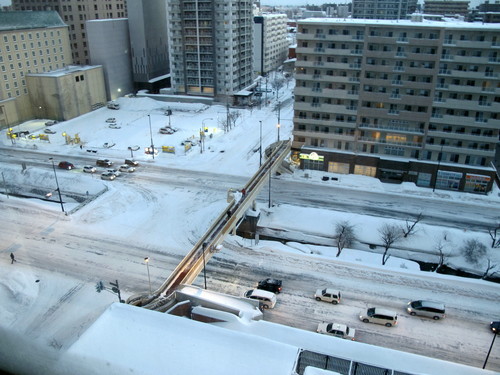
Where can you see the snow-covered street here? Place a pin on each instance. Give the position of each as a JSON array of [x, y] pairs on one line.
[[48, 296]]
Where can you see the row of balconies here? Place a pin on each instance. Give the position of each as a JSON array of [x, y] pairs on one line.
[[461, 136]]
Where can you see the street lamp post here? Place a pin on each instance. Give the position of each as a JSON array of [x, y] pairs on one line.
[[489, 351], [440, 156], [149, 278], [151, 133], [279, 109], [57, 184], [260, 145]]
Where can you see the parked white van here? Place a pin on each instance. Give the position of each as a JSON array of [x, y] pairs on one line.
[[379, 316], [266, 299], [434, 310]]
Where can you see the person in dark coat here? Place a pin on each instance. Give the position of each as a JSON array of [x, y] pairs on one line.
[[12, 258]]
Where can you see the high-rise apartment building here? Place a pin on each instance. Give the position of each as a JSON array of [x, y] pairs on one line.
[[149, 44], [399, 100], [30, 42], [270, 42], [74, 13], [210, 44], [383, 9]]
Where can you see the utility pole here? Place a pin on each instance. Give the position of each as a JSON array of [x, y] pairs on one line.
[[260, 145]]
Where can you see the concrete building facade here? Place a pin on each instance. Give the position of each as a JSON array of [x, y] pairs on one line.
[[113, 54], [270, 42], [446, 7], [383, 9], [75, 13], [210, 44], [67, 93], [401, 101], [30, 42], [149, 44]]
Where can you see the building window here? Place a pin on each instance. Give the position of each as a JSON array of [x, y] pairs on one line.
[[424, 179]]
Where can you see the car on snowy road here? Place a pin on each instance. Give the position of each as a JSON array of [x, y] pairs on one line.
[[379, 316], [89, 169], [116, 172], [328, 295], [104, 163], [49, 131], [337, 330], [66, 165], [434, 310], [271, 285], [495, 326], [108, 176], [126, 168]]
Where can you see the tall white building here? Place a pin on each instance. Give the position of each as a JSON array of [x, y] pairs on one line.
[[270, 42], [210, 44]]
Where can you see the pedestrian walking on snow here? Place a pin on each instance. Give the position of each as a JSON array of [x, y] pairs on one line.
[[12, 258]]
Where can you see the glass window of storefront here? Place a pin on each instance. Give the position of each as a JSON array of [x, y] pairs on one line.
[[365, 170], [475, 183], [342, 168], [447, 180], [424, 179]]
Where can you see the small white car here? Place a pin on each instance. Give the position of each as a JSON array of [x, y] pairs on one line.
[[328, 295], [127, 168], [116, 172], [50, 122], [89, 169], [49, 131], [337, 330], [111, 119], [108, 176]]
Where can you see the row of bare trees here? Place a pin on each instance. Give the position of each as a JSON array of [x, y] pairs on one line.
[[472, 250]]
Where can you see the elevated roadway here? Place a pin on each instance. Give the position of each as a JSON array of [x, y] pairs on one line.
[[193, 263]]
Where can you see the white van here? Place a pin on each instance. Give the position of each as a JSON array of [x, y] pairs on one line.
[[379, 316], [266, 299]]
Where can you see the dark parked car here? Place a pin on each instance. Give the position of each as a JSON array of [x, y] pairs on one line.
[[271, 285], [131, 162], [104, 163], [66, 165]]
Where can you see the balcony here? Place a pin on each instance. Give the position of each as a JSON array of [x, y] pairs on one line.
[[395, 143], [398, 129]]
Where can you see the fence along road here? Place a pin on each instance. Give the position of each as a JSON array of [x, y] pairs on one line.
[[192, 264]]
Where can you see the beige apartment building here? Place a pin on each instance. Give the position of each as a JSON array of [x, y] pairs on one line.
[[30, 42], [75, 13], [446, 7], [411, 100]]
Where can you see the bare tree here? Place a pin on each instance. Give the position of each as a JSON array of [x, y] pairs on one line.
[[233, 116], [277, 83], [439, 247], [389, 234], [230, 121], [495, 236], [473, 250], [344, 233], [488, 270], [409, 227]]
